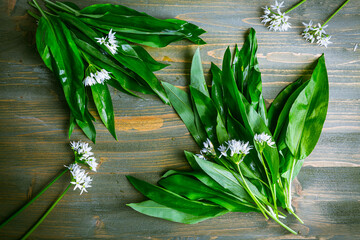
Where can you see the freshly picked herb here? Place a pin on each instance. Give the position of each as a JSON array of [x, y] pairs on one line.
[[250, 154], [83, 155], [91, 48]]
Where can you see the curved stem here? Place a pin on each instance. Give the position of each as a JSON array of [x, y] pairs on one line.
[[343, 5], [295, 6], [33, 199], [279, 222], [45, 214], [296, 216]]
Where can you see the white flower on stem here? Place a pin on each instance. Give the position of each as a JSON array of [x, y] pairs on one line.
[[239, 147], [264, 138], [85, 155], [109, 41], [79, 177], [316, 33], [98, 78], [276, 21], [91, 162], [208, 148], [223, 151]]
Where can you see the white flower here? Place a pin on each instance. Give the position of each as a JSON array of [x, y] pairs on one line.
[[109, 41], [316, 33], [79, 177], [277, 5], [223, 151], [101, 40], [91, 162], [264, 138], [85, 155], [208, 148], [238, 147], [308, 27], [99, 77], [275, 21]]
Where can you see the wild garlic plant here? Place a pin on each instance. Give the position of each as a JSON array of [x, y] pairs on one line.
[[249, 154], [83, 155]]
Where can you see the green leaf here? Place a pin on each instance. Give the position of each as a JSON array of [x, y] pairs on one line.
[[223, 177], [195, 190], [279, 102], [87, 126], [308, 112], [72, 125], [67, 64], [154, 209], [197, 74], [181, 102], [175, 201], [217, 92], [146, 57], [103, 103]]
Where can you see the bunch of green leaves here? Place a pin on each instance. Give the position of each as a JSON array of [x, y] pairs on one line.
[[67, 40], [234, 109]]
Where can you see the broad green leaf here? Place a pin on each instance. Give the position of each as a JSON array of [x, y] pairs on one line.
[[195, 190], [67, 64], [197, 74], [154, 209], [146, 57], [308, 112], [72, 125], [172, 200], [221, 133], [103, 103], [217, 92], [223, 177], [279, 102], [207, 113], [181, 102]]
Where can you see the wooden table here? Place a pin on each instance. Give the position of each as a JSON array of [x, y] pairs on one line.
[[34, 121]]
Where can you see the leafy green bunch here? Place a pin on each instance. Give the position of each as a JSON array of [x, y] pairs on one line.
[[250, 154], [98, 46]]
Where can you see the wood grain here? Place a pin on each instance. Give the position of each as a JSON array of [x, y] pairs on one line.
[[34, 122]]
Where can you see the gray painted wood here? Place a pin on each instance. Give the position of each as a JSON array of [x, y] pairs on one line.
[[34, 122]]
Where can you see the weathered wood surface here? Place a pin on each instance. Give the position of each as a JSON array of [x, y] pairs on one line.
[[34, 121]]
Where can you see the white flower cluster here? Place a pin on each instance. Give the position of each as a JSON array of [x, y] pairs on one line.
[[109, 41], [81, 179], [264, 138], [85, 155], [275, 19], [316, 33], [98, 77], [236, 147], [208, 148]]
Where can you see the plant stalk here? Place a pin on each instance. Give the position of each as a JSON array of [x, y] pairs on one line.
[[261, 207], [45, 214], [295, 6], [343, 5], [279, 222], [33, 199]]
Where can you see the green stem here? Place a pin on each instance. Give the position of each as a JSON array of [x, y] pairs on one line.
[[343, 5], [296, 216], [45, 214], [270, 184], [261, 207], [33, 199], [279, 222], [36, 5], [295, 6]]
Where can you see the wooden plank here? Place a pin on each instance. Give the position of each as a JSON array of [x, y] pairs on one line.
[[34, 120]]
